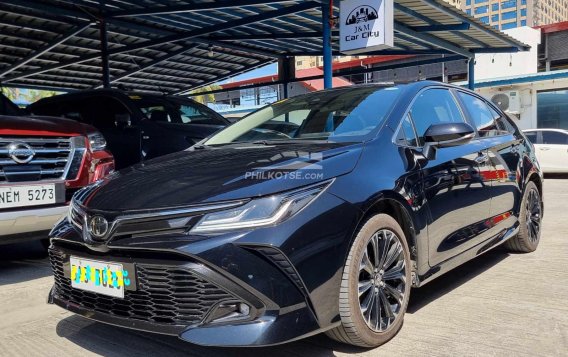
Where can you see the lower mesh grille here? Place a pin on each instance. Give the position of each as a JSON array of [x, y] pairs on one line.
[[169, 295]]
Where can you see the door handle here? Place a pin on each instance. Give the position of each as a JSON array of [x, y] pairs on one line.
[[482, 158], [544, 148]]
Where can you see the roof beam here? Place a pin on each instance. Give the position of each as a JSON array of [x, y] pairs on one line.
[[40, 51], [275, 36], [148, 65], [339, 73], [458, 16], [246, 69], [180, 37], [438, 28], [431, 40], [431, 22], [176, 9]]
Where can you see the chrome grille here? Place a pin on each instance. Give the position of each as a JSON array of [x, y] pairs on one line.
[[51, 160]]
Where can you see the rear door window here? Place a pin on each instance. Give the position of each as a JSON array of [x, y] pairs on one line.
[[554, 138], [532, 136]]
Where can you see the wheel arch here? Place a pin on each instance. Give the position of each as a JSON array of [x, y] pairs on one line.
[[395, 206], [537, 179]]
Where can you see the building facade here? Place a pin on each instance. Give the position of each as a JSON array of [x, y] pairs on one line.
[[305, 62], [508, 14]]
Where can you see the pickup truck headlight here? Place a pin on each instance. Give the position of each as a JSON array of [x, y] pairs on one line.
[[97, 141], [260, 212]]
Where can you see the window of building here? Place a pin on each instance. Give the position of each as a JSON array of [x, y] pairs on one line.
[[484, 19], [494, 18], [509, 15], [480, 1], [468, 11], [510, 25], [495, 7], [467, 2], [552, 109], [481, 9], [508, 4], [523, 12], [523, 22]]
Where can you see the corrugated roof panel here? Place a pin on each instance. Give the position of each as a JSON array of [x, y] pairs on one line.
[[55, 43]]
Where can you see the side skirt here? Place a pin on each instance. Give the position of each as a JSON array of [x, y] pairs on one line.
[[468, 255]]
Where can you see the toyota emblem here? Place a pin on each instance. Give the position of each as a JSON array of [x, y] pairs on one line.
[[98, 227], [20, 152]]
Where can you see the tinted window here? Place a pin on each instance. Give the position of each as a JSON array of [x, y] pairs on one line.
[[554, 137], [176, 110], [343, 115], [483, 116], [434, 106], [531, 135], [406, 135]]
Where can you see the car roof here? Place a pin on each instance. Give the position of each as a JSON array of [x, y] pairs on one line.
[[546, 129]]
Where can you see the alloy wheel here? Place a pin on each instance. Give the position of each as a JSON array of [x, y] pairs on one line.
[[382, 280], [533, 215]]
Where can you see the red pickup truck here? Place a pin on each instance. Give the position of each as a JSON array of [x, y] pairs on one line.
[[43, 161]]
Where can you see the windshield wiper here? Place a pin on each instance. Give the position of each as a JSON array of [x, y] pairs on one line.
[[291, 141]]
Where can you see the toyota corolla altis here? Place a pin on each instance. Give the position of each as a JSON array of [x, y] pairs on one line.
[[314, 214]]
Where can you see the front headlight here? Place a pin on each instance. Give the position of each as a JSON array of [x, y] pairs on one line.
[[260, 212], [97, 141]]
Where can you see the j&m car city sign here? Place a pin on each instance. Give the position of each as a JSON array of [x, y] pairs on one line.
[[366, 25]]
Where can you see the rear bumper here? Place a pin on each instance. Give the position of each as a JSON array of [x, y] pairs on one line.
[[28, 224]]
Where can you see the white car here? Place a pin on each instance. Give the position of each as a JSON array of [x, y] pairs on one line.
[[551, 148]]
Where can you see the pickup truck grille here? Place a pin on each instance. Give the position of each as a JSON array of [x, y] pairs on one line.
[[50, 160]]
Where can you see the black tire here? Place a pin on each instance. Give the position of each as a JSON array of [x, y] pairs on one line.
[[355, 329], [530, 219]]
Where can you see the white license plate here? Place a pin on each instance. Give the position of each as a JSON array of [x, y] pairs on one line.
[[98, 277], [29, 195]]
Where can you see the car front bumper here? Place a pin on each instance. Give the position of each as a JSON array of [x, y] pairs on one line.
[[160, 304], [27, 224]]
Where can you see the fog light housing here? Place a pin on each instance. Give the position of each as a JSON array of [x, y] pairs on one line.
[[230, 311]]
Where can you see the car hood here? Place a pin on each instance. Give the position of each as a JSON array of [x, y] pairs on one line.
[[40, 125], [198, 176]]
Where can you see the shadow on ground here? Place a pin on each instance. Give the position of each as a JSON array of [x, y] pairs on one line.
[[454, 279], [113, 341], [23, 262]]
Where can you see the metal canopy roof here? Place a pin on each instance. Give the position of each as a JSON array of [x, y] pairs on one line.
[[174, 46]]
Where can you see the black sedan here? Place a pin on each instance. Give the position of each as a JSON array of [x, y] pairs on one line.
[[136, 126], [258, 236]]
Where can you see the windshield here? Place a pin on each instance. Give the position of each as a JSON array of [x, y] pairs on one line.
[[346, 115], [176, 110]]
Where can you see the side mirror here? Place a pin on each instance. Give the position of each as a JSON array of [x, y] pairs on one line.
[[122, 120], [446, 135]]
